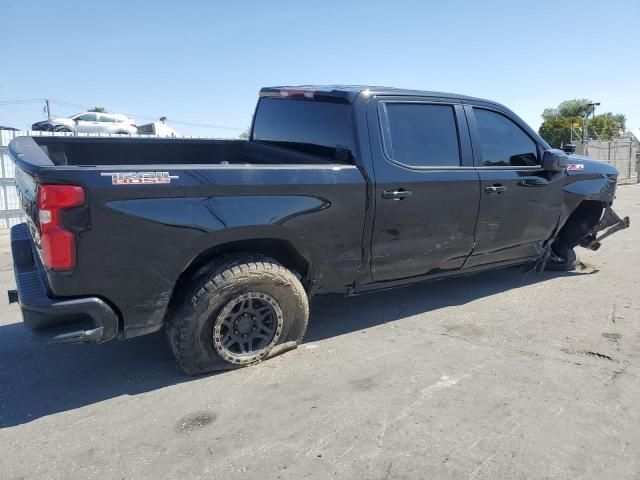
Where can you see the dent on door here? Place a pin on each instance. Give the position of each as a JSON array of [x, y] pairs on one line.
[[515, 220]]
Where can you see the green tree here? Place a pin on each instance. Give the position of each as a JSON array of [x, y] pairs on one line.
[[575, 108], [556, 131], [98, 110], [607, 126], [245, 134], [557, 122]]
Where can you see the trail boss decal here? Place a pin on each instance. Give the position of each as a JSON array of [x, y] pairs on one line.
[[575, 166], [138, 178]]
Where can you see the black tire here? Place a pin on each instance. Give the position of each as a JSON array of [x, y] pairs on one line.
[[62, 129], [196, 329], [564, 262]]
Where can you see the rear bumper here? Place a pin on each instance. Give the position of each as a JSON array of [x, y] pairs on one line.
[[59, 320]]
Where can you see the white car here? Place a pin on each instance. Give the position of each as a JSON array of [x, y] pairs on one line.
[[158, 129], [95, 122]]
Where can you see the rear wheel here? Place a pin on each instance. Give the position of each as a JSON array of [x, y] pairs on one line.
[[238, 311]]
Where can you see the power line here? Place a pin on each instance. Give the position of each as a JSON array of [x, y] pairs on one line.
[[20, 102], [85, 107], [179, 122]]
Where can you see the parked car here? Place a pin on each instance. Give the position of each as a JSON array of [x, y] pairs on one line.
[[338, 189], [90, 122], [8, 128], [158, 129]]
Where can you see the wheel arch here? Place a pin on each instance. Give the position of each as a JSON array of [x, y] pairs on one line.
[[580, 221], [281, 250]]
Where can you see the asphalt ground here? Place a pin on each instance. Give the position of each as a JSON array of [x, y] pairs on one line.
[[497, 375]]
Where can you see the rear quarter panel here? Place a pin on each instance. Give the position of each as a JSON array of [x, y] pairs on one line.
[[142, 237]]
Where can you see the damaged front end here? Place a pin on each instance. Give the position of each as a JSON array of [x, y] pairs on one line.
[[587, 218], [609, 224]]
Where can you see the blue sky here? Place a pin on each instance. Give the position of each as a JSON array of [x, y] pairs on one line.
[[204, 61]]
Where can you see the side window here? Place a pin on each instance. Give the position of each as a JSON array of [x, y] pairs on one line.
[[309, 126], [422, 135], [502, 142], [88, 117], [107, 118]]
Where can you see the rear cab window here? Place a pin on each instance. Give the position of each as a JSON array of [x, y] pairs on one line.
[[314, 127], [421, 135]]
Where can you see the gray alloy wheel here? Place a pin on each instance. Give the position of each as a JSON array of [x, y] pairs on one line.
[[247, 327]]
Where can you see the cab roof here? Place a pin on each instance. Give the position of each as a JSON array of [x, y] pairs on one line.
[[348, 93]]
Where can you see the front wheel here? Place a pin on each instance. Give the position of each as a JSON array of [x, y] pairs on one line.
[[564, 262], [238, 311]]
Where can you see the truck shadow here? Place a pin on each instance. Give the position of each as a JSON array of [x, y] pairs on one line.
[[333, 315], [37, 379]]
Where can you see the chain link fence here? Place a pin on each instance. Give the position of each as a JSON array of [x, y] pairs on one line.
[[10, 213], [622, 153]]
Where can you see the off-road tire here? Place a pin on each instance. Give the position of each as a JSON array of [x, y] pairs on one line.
[[190, 326], [568, 263]]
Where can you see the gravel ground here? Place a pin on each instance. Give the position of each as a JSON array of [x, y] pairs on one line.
[[492, 376]]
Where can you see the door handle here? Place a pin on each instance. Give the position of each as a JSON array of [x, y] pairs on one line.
[[397, 194], [495, 189]]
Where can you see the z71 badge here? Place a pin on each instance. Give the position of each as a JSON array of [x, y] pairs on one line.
[[138, 178], [575, 166]]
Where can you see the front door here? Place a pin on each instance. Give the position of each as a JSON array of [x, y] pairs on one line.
[[520, 202], [87, 123], [426, 189]]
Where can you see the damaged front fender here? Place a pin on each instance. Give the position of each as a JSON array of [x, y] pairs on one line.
[[609, 224]]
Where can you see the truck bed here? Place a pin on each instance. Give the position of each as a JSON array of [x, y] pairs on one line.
[[93, 151], [220, 191]]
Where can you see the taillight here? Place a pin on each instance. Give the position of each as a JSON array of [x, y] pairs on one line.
[[58, 244]]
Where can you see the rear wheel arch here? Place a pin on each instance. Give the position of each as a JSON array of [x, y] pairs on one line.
[[282, 251]]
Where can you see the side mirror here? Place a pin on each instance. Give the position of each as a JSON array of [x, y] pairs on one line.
[[554, 160]]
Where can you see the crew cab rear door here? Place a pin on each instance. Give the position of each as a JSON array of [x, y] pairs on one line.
[[426, 188], [520, 202]]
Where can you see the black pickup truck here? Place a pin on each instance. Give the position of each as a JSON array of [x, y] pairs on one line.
[[338, 189]]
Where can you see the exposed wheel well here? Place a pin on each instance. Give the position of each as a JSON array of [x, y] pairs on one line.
[[586, 216], [280, 250]]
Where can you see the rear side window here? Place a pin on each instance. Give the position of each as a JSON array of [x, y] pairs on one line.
[[88, 117], [422, 135], [107, 118], [502, 142], [309, 126]]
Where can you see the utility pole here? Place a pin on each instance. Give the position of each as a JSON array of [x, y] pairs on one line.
[[48, 109], [585, 129], [585, 120]]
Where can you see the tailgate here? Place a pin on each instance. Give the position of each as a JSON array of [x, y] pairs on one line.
[[27, 189], [29, 159]]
